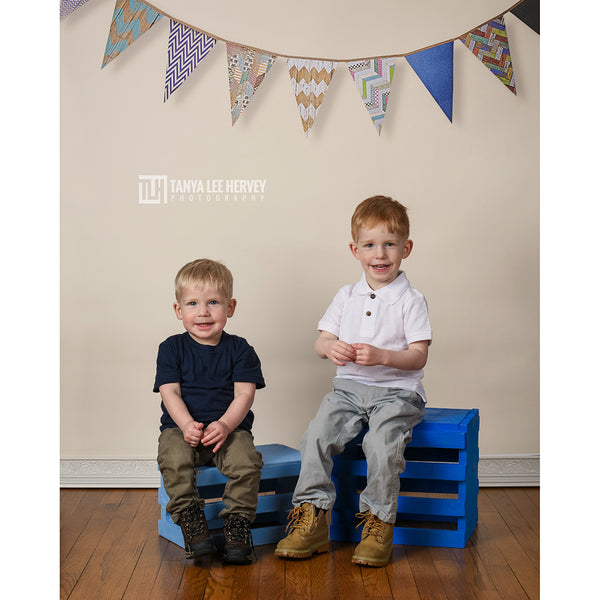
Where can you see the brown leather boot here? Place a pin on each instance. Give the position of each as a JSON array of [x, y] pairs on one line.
[[375, 548], [238, 540], [308, 533], [195, 532]]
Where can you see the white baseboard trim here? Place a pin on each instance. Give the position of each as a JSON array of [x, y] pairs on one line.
[[513, 470]]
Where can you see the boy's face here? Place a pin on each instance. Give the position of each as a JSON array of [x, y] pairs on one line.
[[380, 254], [204, 312]]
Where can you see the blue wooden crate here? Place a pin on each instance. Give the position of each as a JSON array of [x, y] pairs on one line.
[[278, 479], [437, 505]]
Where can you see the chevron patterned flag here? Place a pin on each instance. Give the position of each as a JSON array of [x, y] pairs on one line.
[[435, 68], [187, 47], [246, 69], [68, 6], [311, 79], [489, 44], [130, 20], [373, 78]]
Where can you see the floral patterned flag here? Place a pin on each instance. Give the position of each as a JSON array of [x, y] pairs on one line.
[[246, 69]]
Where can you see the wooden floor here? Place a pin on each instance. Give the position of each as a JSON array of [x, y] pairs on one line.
[[110, 549]]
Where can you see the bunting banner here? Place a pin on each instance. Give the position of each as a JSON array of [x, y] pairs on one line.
[[68, 6], [435, 67], [246, 69], [130, 20], [489, 43], [311, 79], [373, 79], [187, 47]]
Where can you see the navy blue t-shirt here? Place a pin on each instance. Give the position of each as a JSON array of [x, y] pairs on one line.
[[206, 375]]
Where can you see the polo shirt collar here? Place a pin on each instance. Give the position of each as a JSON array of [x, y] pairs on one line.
[[390, 293]]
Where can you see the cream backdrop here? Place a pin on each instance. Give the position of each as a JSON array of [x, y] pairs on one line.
[[471, 187]]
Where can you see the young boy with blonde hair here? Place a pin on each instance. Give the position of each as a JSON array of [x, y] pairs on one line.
[[207, 379], [377, 332]]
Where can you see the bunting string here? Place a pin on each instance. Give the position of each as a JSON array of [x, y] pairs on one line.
[[248, 66]]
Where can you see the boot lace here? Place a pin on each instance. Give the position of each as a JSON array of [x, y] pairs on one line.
[[371, 524], [237, 530], [299, 518], [193, 522]]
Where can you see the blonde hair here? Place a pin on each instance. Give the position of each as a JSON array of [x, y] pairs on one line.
[[204, 272], [380, 209]]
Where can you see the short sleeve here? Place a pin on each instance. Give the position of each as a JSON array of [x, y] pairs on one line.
[[416, 321], [332, 318], [246, 366], [168, 365]]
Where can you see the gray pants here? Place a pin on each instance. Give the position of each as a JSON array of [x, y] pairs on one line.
[[389, 413], [238, 459]]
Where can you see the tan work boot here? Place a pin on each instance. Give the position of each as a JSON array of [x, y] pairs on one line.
[[375, 548], [308, 533]]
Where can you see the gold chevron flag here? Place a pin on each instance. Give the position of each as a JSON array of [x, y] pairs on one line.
[[310, 78]]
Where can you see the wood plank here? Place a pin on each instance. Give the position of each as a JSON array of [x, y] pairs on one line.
[[426, 576], [402, 581], [323, 579], [271, 582], [476, 576], [519, 526], [297, 578], [349, 578], [80, 553], [527, 507], [168, 579], [484, 543], [220, 581], [108, 571], [73, 522]]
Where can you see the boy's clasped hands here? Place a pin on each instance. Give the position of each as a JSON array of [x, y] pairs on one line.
[[195, 433]]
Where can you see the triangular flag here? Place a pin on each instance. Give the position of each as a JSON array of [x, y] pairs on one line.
[[187, 47], [489, 43], [246, 69], [68, 6], [130, 20], [310, 78], [373, 78], [435, 68]]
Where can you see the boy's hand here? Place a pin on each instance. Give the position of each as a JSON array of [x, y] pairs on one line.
[[192, 433], [216, 433], [340, 353], [368, 355]]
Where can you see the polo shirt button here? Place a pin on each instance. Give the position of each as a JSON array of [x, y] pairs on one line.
[[368, 313], [373, 296]]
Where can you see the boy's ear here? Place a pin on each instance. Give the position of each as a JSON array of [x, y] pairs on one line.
[[408, 246], [231, 307], [354, 249], [177, 309]]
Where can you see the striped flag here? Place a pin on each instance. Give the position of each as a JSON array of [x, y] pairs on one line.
[[187, 47]]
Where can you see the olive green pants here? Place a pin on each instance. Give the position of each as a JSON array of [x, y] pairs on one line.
[[237, 459]]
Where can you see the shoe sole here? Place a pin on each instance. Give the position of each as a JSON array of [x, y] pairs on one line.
[[319, 549], [369, 562]]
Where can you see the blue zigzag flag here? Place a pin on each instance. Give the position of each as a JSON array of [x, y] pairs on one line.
[[187, 47], [435, 68]]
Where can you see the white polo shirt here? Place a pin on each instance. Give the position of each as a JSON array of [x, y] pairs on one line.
[[391, 317]]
